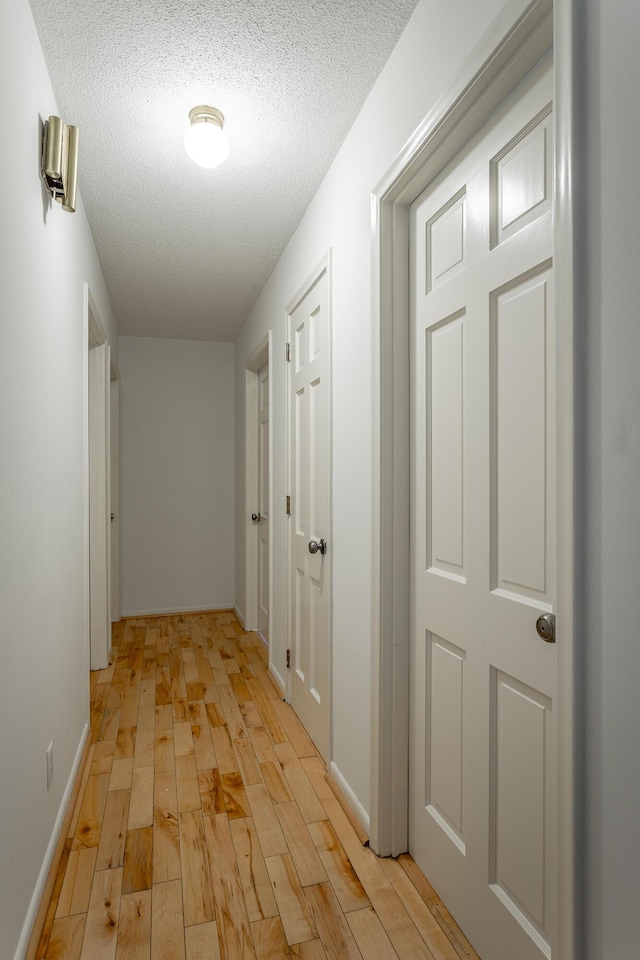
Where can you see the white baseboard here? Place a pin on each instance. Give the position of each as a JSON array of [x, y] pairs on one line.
[[350, 796], [239, 614], [166, 611], [34, 906], [278, 679]]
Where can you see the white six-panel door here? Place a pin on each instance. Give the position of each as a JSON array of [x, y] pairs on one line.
[[482, 706], [263, 502], [309, 405]]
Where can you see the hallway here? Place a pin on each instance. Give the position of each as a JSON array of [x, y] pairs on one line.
[[205, 826]]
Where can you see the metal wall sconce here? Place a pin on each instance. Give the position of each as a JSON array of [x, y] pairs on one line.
[[60, 162]]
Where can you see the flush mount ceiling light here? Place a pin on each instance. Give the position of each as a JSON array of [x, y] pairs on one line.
[[205, 141]]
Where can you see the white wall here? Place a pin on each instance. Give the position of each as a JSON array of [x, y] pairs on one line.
[[47, 255], [611, 599], [177, 475], [438, 37]]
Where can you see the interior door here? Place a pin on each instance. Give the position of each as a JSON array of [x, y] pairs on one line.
[[114, 499], [99, 509], [482, 706], [263, 502], [309, 524]]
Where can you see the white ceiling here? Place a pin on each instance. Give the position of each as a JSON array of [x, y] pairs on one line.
[[186, 251]]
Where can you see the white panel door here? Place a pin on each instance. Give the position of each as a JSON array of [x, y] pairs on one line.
[[309, 551], [263, 502], [99, 509], [482, 705], [115, 499]]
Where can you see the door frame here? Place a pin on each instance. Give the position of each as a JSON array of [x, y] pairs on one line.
[[494, 68], [257, 360], [98, 372], [323, 266]]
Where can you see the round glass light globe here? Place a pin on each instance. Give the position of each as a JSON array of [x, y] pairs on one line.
[[207, 144]]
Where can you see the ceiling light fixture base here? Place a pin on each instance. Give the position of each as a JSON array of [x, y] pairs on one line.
[[205, 141], [205, 114]]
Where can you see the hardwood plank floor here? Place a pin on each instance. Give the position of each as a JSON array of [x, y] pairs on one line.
[[206, 826]]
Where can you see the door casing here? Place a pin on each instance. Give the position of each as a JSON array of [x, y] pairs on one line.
[[494, 68]]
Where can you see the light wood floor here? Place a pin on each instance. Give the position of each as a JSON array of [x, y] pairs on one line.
[[206, 828]]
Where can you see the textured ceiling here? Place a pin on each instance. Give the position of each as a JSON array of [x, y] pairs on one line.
[[186, 251]]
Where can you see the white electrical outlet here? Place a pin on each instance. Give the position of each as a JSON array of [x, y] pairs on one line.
[[49, 765]]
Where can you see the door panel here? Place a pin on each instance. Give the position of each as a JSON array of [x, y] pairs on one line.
[[445, 446], [445, 683], [482, 708], [519, 386], [517, 849], [310, 483]]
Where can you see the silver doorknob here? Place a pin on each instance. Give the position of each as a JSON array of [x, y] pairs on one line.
[[318, 546], [546, 627], [256, 517]]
